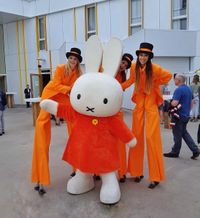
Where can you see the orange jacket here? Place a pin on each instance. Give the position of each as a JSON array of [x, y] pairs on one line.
[[160, 76], [92, 144], [60, 84]]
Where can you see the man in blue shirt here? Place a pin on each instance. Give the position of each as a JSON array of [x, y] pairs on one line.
[[183, 96]]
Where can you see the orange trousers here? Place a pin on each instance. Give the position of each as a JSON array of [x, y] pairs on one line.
[[146, 122], [42, 138], [122, 153]]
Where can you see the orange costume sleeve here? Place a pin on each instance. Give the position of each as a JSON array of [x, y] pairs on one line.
[[160, 77], [131, 78], [120, 130], [61, 83]]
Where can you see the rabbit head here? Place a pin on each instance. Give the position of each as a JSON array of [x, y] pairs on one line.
[[99, 94]]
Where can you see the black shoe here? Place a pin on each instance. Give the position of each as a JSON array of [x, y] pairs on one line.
[[153, 184], [195, 155], [41, 192], [138, 179], [73, 174], [3, 132], [123, 179], [96, 177], [171, 155], [0, 134], [37, 188]]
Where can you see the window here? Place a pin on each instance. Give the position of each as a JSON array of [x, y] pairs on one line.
[[41, 33], [179, 14], [90, 21], [135, 16]]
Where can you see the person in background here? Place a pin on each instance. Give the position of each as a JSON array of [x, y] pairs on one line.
[[198, 135], [183, 96], [3, 103], [147, 77], [199, 101], [195, 102], [161, 107], [166, 104], [27, 93], [58, 90]]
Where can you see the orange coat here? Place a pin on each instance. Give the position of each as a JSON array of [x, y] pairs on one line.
[[146, 119], [61, 83], [160, 77], [58, 89], [91, 147]]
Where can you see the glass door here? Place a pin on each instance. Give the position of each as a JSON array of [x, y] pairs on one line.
[[35, 85], [38, 82]]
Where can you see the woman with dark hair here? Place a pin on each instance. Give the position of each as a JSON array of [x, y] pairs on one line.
[[121, 78], [147, 77], [58, 90]]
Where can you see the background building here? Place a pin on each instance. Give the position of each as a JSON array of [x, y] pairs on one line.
[[35, 34]]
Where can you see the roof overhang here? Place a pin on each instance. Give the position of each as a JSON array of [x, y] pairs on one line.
[[167, 43], [8, 17]]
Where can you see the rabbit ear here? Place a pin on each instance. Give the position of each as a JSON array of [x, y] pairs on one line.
[[112, 57], [93, 54]]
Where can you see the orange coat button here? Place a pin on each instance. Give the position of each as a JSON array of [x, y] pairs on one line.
[[95, 122]]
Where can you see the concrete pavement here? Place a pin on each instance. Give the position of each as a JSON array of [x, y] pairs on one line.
[[177, 197]]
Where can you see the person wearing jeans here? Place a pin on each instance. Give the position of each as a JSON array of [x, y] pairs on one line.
[[183, 96], [2, 108]]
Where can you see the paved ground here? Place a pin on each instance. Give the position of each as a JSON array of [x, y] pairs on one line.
[[177, 197]]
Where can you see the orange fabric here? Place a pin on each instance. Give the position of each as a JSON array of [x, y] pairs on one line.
[[146, 119], [119, 77], [121, 145], [122, 153], [60, 83], [91, 147], [58, 90]]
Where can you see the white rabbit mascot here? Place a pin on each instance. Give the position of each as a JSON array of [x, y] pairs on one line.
[[96, 99]]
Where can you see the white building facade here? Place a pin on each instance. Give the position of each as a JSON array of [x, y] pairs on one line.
[[35, 34]]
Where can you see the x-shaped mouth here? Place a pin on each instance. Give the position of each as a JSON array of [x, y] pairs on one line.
[[90, 109]]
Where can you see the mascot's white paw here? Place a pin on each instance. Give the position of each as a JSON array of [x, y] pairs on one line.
[[110, 191], [80, 183], [49, 106]]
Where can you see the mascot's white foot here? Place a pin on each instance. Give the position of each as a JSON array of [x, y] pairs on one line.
[[80, 183], [110, 191]]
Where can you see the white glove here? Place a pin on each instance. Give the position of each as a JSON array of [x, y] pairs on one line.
[[49, 106], [132, 143]]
